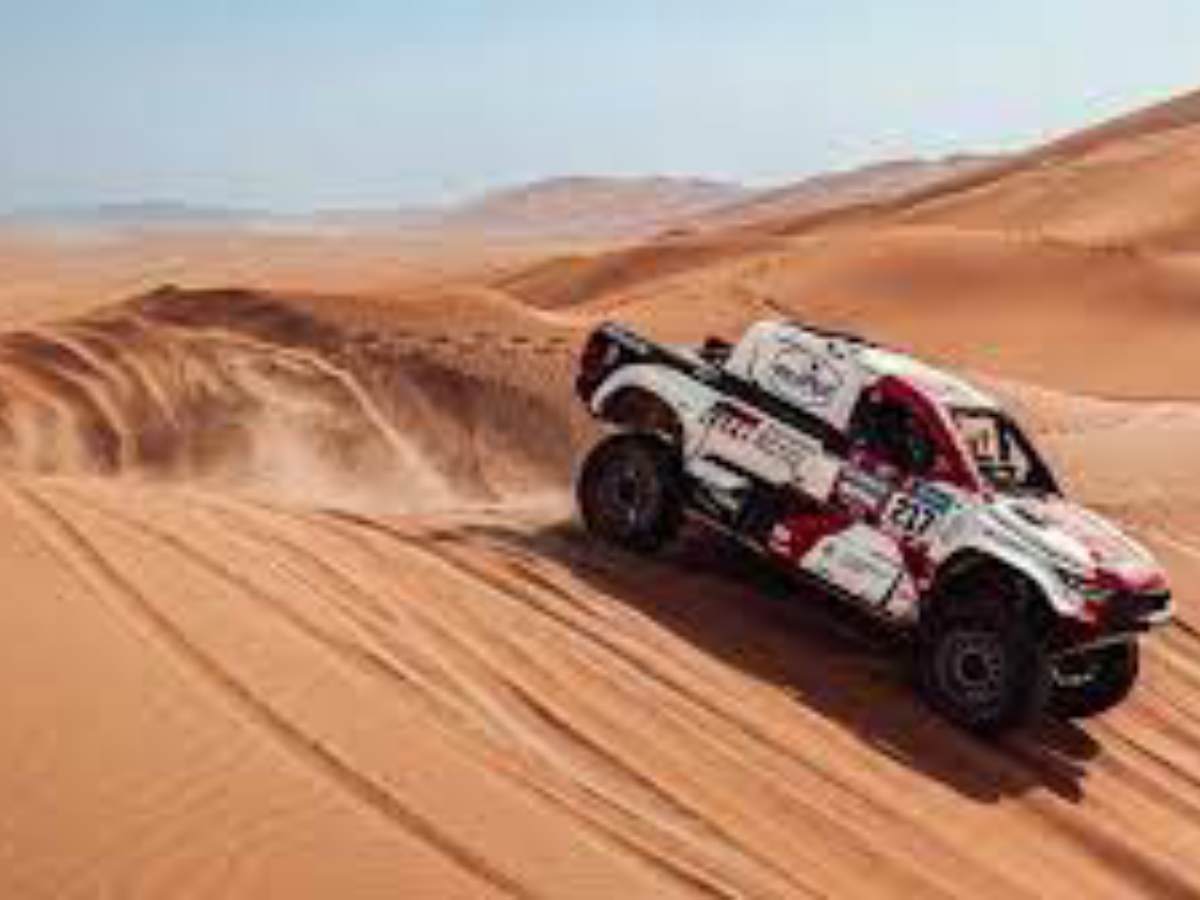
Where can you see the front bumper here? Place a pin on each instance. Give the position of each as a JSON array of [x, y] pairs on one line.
[[1120, 617], [1129, 611]]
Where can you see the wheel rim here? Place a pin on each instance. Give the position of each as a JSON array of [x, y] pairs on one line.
[[971, 666], [627, 496]]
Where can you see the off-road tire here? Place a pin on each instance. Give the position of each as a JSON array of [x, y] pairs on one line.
[[630, 491], [980, 657], [1094, 681]]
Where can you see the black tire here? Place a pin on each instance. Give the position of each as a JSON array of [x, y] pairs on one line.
[[1093, 681], [980, 660], [630, 493]]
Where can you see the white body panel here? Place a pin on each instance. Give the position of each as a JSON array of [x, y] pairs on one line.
[[716, 427], [730, 443], [860, 561], [816, 374]]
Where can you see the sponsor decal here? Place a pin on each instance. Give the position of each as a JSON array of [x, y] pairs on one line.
[[935, 498], [773, 440], [914, 515], [873, 567], [862, 570], [837, 349], [861, 488], [731, 420], [782, 444], [800, 376]]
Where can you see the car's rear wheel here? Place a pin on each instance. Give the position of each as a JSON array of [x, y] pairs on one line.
[[629, 491], [1093, 681], [980, 659]]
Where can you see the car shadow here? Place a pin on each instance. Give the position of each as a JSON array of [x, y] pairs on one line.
[[722, 599]]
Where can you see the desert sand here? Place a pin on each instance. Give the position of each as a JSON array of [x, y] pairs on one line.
[[294, 604]]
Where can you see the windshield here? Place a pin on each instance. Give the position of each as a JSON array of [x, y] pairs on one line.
[[1004, 456]]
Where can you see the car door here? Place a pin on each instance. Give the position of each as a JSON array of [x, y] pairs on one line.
[[890, 502]]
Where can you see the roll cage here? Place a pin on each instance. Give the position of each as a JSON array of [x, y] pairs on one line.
[[975, 447]]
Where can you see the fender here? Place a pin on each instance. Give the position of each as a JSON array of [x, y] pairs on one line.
[[987, 548], [687, 397]]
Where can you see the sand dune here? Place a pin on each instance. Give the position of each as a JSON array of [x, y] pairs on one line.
[[256, 392], [1139, 191], [875, 183], [1081, 319], [295, 605], [387, 661], [1044, 179], [476, 704]]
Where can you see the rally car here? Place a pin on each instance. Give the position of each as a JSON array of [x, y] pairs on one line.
[[895, 486]]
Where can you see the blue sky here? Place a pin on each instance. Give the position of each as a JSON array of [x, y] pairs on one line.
[[303, 104]]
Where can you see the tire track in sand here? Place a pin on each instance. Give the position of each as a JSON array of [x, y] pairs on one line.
[[465, 670], [71, 545], [625, 659]]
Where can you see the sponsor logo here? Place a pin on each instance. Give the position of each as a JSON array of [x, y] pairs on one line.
[[730, 420], [862, 488], [861, 570], [938, 501], [781, 444], [802, 377], [869, 566]]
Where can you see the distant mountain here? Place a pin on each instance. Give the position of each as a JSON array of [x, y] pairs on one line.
[[149, 213], [560, 207], [582, 206], [871, 183], [405, 218], [568, 207]]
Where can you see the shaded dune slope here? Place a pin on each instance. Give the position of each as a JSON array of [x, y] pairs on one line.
[[567, 281], [265, 391]]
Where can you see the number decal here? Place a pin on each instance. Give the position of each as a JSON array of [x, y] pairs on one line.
[[913, 518]]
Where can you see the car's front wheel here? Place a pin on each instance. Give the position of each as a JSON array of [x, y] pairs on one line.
[[980, 660], [1093, 681], [630, 491]]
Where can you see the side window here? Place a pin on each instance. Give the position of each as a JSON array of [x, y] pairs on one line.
[[889, 429]]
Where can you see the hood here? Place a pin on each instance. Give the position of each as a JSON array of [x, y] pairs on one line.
[[1079, 540]]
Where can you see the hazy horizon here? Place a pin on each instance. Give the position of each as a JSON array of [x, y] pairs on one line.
[[299, 106]]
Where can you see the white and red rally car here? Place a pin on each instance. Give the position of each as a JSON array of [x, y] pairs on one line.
[[897, 486]]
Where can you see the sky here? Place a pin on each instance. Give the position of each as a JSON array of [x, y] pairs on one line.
[[299, 104]]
